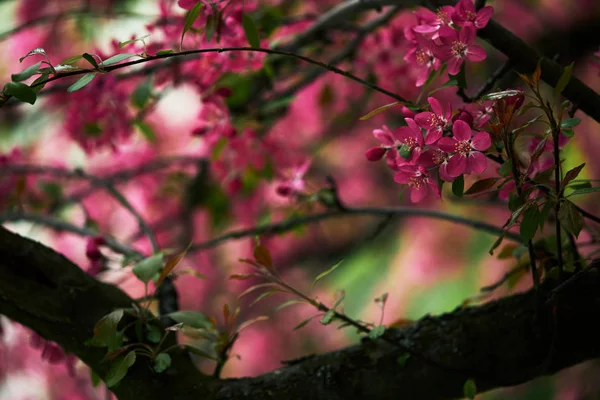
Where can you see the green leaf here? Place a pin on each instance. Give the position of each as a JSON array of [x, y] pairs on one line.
[[570, 218], [35, 85], [146, 130], [95, 378], [250, 30], [289, 303], [378, 110], [106, 328], [482, 185], [90, 58], [570, 123], [505, 169], [563, 81], [530, 223], [501, 95], [142, 94], [544, 214], [401, 360], [115, 341], [211, 24], [119, 368], [458, 186], [198, 352], [376, 332], [451, 82], [37, 50], [149, 267], [26, 73], [568, 132], [81, 83], [162, 362], [264, 295], [324, 274], [20, 91], [154, 334], [190, 18], [584, 191], [303, 323], [497, 243], [164, 52], [71, 60], [116, 59], [193, 319], [327, 317], [127, 42], [470, 389], [339, 300]]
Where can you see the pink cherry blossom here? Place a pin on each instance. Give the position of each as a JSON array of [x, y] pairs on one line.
[[429, 22], [466, 148], [295, 183], [419, 181], [465, 12], [422, 57], [435, 121], [458, 46]]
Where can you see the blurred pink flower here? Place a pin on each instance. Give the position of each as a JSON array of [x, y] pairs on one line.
[[458, 46], [465, 12]]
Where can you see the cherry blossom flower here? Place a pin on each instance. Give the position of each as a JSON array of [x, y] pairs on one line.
[[458, 46], [466, 149], [435, 121], [465, 12], [429, 22], [419, 181], [437, 157], [295, 182], [411, 140], [422, 57]]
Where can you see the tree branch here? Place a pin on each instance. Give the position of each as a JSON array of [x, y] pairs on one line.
[[501, 343]]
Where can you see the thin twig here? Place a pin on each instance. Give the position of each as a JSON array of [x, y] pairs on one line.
[[288, 225], [60, 225]]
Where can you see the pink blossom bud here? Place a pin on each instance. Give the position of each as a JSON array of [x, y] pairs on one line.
[[375, 153], [234, 186], [464, 115], [284, 190]]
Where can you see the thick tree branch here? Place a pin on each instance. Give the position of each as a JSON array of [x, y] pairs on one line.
[[502, 343]]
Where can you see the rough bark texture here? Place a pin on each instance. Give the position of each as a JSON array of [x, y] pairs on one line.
[[502, 343]]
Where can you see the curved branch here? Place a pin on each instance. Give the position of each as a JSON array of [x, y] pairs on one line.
[[501, 343], [221, 50], [290, 224]]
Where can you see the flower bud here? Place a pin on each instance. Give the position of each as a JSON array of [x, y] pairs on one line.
[[375, 153]]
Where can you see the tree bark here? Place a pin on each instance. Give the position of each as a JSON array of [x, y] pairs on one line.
[[501, 343]]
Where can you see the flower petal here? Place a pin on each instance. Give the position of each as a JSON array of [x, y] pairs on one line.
[[375, 153], [436, 106], [481, 141], [447, 144], [467, 33], [476, 53], [447, 35], [483, 16], [461, 130], [454, 64], [432, 136], [424, 119], [457, 165], [443, 172], [384, 136], [477, 162], [417, 195]]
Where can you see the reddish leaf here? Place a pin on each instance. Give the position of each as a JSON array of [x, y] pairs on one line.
[[482, 185], [572, 174], [262, 256], [171, 264]]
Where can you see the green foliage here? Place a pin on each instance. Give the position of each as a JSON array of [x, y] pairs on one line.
[[149, 268], [20, 91], [81, 83], [470, 389], [251, 31], [119, 368]]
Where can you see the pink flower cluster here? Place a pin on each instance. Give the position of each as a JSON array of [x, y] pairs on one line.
[[432, 144], [53, 353], [445, 36]]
